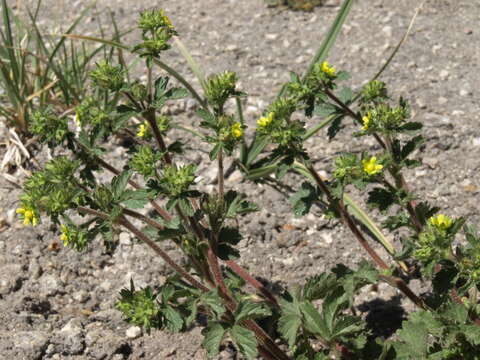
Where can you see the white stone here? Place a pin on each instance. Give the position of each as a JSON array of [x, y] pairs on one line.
[[133, 332]]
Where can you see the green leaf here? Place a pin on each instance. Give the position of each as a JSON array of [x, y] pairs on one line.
[[290, 321], [207, 117], [213, 336], [425, 211], [348, 325], [214, 152], [135, 199], [472, 333], [303, 199], [381, 198], [395, 222], [325, 109], [230, 235], [176, 93], [236, 205], [411, 145], [119, 183], [314, 322], [456, 312], [332, 305], [413, 336], [345, 95], [186, 206], [247, 310], [160, 85], [334, 127], [173, 318], [317, 287], [245, 341], [411, 126], [214, 302]]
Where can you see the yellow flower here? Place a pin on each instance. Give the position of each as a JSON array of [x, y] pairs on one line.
[[28, 216], [64, 236], [371, 167], [142, 130], [366, 120], [237, 130], [328, 69], [441, 221], [264, 121]]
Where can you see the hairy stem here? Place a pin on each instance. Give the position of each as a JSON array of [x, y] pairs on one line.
[[350, 223], [140, 235], [221, 186]]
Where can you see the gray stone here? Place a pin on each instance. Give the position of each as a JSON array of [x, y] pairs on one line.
[[71, 338], [26, 345], [10, 278], [50, 285]]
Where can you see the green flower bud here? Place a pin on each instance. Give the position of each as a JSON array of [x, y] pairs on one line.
[[107, 76]]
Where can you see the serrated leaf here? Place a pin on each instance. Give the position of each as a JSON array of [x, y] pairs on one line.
[[290, 321], [176, 93], [135, 199], [413, 342], [456, 312], [411, 126], [381, 198], [346, 95], [214, 152], [174, 321], [332, 305], [119, 183], [411, 145], [186, 206], [227, 252], [335, 127], [245, 340], [317, 287], [236, 205], [343, 75], [325, 109], [347, 325], [303, 199], [395, 222], [248, 310], [314, 322], [472, 333], [425, 211], [160, 87], [229, 235], [213, 336], [213, 301], [207, 117], [124, 109]]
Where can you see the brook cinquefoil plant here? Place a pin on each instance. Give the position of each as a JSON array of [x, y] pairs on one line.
[[312, 321]]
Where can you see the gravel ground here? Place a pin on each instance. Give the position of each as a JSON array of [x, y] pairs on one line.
[[58, 304]]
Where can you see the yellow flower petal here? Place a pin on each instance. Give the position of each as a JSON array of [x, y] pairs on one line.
[[328, 69]]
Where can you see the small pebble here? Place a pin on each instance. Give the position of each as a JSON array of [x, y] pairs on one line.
[[133, 332]]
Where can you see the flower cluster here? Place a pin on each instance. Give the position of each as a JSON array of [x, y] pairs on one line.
[[219, 88], [107, 76], [157, 30]]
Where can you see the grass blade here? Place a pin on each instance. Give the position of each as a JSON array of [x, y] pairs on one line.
[[194, 66], [332, 34]]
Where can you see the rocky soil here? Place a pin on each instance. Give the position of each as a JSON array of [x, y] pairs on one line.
[[59, 304]]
